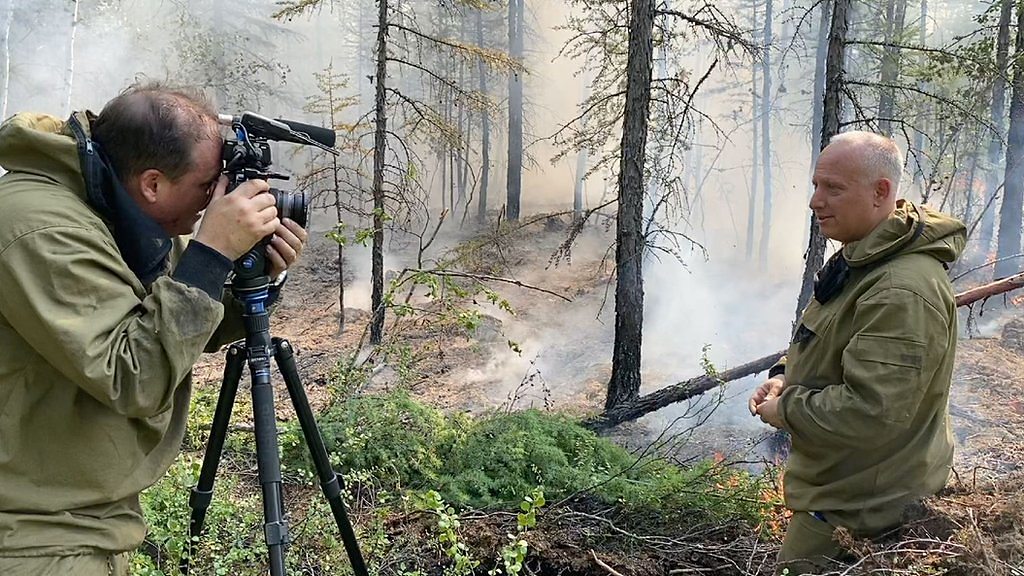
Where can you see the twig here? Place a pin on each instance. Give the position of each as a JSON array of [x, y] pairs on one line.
[[606, 567]]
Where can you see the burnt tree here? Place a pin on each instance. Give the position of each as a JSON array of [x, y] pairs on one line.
[[624, 385]]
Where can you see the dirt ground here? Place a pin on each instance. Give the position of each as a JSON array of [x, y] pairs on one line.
[[975, 527]]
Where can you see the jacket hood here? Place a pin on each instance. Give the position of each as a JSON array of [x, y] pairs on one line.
[[910, 229], [65, 152], [40, 145]]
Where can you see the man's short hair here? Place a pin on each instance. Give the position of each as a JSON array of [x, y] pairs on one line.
[[882, 158], [153, 126]]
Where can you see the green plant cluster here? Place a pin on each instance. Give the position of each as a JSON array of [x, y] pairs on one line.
[[393, 450], [496, 460]]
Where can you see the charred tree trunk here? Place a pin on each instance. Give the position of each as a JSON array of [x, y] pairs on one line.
[[380, 133], [629, 282], [516, 18], [831, 112], [1013, 188], [485, 126], [995, 146], [895, 17], [766, 135]]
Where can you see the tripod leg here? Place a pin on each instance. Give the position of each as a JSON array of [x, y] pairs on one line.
[[330, 482], [202, 494], [268, 460]]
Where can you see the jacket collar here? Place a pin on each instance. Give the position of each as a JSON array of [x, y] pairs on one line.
[[143, 243]]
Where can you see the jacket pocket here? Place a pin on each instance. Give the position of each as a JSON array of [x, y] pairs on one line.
[[814, 322], [889, 371]]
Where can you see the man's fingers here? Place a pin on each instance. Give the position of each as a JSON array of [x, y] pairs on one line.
[[295, 229], [288, 251], [289, 235], [253, 188], [276, 260]]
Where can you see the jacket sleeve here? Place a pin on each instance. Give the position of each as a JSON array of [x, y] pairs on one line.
[[230, 328], [888, 365], [67, 292]]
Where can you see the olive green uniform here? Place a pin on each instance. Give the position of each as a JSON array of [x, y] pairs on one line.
[[867, 383]]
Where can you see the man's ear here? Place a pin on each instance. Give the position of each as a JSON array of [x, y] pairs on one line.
[[883, 192], [149, 183]]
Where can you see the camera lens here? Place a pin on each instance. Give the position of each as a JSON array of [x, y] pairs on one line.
[[291, 205]]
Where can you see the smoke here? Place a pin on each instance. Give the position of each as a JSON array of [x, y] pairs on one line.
[[708, 303]]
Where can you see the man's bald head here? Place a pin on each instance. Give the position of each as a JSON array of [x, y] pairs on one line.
[[856, 183], [878, 155]]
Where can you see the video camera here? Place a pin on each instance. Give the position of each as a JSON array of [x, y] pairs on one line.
[[248, 157]]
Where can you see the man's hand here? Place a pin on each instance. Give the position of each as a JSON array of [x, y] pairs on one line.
[[770, 389], [234, 223], [769, 412], [286, 246]]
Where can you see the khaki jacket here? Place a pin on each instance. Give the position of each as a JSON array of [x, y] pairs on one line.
[[94, 365], [868, 376]]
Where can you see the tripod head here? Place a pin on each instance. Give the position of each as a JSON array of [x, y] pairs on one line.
[[248, 157]]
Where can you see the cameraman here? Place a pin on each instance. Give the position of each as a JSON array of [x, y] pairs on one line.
[[104, 308]]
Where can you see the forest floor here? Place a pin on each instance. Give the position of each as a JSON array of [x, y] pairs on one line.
[[975, 527]]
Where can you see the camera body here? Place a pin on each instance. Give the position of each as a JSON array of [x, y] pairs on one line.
[[248, 157]]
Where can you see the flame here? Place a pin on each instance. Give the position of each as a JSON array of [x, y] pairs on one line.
[[776, 515]]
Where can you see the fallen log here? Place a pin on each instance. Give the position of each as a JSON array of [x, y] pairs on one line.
[[701, 384], [677, 393], [971, 296]]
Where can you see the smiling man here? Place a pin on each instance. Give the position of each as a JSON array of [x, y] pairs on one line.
[[105, 304], [864, 387]]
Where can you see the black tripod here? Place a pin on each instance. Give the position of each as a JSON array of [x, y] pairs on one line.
[[252, 290]]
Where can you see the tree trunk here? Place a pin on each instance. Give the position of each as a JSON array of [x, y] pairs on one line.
[[818, 102], [485, 129], [69, 72], [629, 282], [895, 17], [465, 124], [332, 110], [1013, 188], [755, 161], [516, 17], [654, 194], [766, 135], [995, 146], [5, 43], [919, 133], [582, 158], [380, 133], [831, 112], [969, 193]]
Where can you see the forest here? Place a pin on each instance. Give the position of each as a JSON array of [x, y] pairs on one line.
[[560, 244]]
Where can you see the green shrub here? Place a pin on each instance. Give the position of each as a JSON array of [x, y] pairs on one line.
[[497, 460]]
